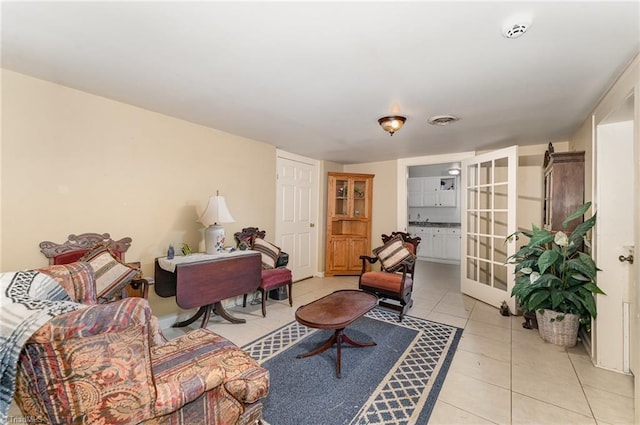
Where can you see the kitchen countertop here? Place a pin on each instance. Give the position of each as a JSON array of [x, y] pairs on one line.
[[432, 224]]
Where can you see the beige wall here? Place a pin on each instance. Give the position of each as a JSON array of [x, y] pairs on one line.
[[530, 183], [384, 196], [73, 162]]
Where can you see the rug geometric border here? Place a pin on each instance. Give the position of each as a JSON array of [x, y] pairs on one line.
[[409, 391]]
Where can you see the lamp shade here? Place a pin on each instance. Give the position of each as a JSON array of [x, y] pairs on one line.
[[216, 212]]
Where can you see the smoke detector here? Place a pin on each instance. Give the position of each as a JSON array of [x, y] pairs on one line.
[[516, 27], [442, 119]]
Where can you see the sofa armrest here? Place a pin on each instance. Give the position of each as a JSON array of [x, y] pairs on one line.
[[180, 386], [88, 367], [94, 320]]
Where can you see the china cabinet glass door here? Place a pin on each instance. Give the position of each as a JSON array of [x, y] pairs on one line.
[[342, 197]]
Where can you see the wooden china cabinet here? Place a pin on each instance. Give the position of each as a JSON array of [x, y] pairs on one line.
[[349, 199], [563, 188]]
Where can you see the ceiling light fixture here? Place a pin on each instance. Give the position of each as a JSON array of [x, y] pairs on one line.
[[391, 123], [442, 119], [455, 169]]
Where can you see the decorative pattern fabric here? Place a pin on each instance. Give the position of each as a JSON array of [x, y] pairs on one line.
[[393, 253], [268, 251], [110, 364], [76, 279], [28, 299], [111, 275], [90, 366], [243, 377]]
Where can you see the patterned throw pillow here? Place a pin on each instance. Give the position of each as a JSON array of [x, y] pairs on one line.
[[270, 253], [393, 253], [111, 274]]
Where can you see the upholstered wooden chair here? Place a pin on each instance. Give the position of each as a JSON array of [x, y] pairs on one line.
[[77, 246], [274, 272], [393, 283]]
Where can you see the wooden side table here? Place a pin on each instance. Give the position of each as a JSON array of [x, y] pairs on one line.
[[203, 281]]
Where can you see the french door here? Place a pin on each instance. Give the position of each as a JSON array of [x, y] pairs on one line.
[[489, 201]]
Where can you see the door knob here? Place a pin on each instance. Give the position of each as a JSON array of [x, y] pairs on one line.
[[628, 258], [312, 225]]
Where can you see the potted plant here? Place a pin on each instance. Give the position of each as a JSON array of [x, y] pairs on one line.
[[557, 280]]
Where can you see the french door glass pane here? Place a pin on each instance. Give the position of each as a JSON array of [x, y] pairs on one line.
[[485, 197], [500, 278], [500, 197], [500, 224], [501, 171], [484, 272], [472, 245], [499, 251], [472, 198], [486, 173], [472, 222], [472, 175], [472, 269]]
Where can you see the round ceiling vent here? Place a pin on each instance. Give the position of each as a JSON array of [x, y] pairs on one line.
[[442, 119]]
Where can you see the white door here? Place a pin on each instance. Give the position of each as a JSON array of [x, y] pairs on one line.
[[488, 217], [296, 207], [614, 233]]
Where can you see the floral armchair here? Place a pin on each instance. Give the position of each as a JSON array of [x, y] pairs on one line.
[[110, 364]]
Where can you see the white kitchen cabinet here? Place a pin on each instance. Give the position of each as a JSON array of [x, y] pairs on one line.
[[415, 191], [447, 198], [415, 184], [439, 192], [439, 244], [432, 191], [426, 244], [415, 199], [452, 244]]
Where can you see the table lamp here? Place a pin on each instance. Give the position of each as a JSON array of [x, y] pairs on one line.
[[216, 212]]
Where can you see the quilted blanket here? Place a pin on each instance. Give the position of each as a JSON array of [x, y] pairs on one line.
[[28, 299]]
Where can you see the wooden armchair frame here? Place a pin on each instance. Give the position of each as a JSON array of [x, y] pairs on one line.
[[397, 285], [76, 246]]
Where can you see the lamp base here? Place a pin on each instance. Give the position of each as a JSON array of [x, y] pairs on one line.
[[214, 239]]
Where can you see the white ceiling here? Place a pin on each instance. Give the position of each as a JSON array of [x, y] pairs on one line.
[[313, 77]]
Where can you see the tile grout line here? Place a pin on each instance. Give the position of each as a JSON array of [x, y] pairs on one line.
[[573, 366]]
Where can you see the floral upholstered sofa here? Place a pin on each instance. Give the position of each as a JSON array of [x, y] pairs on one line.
[[110, 364]]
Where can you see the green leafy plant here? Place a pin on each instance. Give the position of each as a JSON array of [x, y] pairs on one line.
[[553, 273]]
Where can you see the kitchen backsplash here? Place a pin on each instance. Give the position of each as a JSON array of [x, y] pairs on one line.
[[440, 215]]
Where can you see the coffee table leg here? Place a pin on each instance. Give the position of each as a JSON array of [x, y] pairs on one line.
[[337, 338], [323, 347], [349, 341]]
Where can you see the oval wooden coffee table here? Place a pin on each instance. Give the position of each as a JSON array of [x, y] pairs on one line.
[[336, 311]]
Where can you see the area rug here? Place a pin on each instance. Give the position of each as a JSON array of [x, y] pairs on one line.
[[396, 381]]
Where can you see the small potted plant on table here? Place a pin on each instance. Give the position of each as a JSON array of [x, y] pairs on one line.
[[557, 280]]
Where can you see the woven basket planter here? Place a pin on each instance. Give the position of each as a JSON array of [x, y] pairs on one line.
[[559, 332]]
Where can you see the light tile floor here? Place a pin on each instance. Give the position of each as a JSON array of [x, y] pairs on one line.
[[501, 373]]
